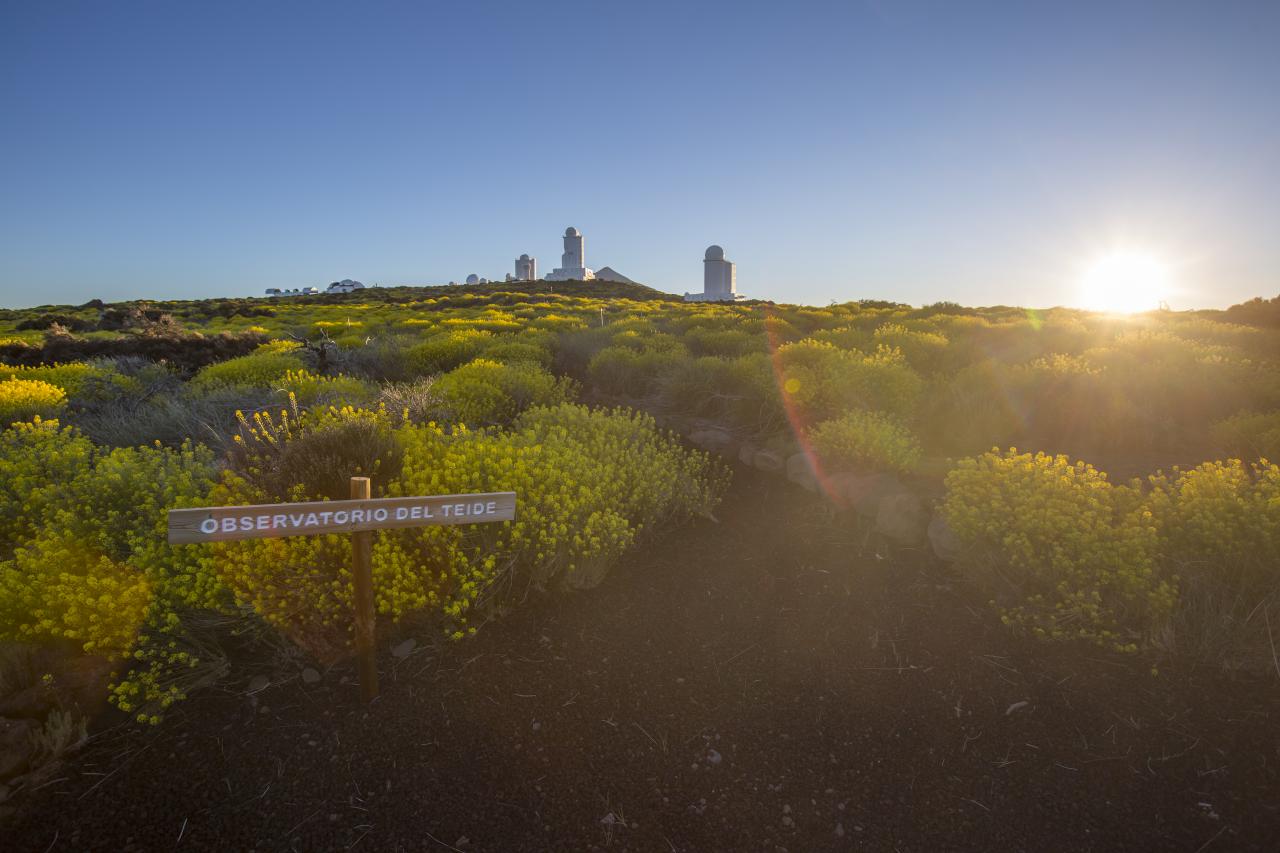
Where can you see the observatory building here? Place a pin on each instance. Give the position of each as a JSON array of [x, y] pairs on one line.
[[526, 268], [573, 262], [719, 279]]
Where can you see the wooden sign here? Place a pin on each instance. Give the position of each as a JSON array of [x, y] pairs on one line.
[[359, 516], [267, 521]]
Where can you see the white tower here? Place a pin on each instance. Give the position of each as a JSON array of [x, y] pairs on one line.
[[573, 261], [719, 277], [526, 268]]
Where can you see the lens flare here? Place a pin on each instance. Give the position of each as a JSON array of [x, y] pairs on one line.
[[1125, 283]]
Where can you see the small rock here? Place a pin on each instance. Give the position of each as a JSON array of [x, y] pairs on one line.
[[800, 471], [786, 809], [946, 544], [713, 757], [714, 439], [462, 842], [865, 493], [901, 516], [310, 676], [839, 830], [403, 649], [259, 683], [787, 821], [769, 462], [537, 726]]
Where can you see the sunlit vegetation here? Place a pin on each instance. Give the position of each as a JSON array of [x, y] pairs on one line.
[[119, 413]]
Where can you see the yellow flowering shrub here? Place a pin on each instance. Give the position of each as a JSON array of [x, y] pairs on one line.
[[36, 459], [70, 376], [23, 399], [309, 389], [1063, 552], [924, 350], [860, 439], [587, 484], [57, 589], [85, 556], [1220, 530]]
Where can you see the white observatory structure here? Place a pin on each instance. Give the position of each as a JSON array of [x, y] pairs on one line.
[[526, 268], [573, 262], [719, 279]]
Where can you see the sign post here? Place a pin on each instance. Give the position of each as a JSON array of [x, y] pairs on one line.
[[362, 597], [359, 517]]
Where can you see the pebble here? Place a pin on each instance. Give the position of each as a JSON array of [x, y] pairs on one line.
[[714, 757], [839, 830], [310, 676], [787, 821]]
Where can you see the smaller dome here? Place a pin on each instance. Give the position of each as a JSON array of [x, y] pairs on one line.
[[572, 232], [524, 257], [473, 279], [714, 253]]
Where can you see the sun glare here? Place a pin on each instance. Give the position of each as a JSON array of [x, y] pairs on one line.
[[1124, 283]]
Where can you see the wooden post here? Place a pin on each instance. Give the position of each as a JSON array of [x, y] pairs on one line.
[[362, 595]]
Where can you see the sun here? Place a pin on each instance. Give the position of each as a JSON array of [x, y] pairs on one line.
[[1125, 283]]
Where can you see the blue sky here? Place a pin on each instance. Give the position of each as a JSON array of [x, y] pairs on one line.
[[914, 151]]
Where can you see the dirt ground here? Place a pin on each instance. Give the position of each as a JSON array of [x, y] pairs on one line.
[[776, 681]]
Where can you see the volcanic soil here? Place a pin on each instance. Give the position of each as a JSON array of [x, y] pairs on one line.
[[776, 680]]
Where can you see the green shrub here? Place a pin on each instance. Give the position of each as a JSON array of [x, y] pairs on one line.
[[313, 455], [487, 393], [728, 343], [631, 372], [507, 351], [1249, 435], [446, 351], [257, 369], [740, 392], [1062, 552], [24, 399], [1220, 531], [861, 440], [823, 381]]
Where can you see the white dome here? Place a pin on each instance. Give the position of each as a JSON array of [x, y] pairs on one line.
[[473, 279], [572, 232], [714, 253]]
